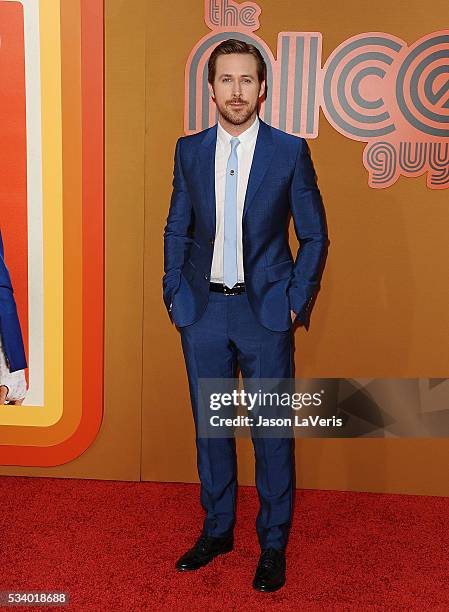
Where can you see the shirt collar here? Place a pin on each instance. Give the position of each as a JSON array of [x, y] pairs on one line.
[[244, 137]]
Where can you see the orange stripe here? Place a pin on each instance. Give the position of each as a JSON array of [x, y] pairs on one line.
[[13, 155], [92, 53]]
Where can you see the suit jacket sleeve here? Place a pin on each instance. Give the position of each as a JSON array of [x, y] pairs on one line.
[[176, 232], [10, 331], [310, 227]]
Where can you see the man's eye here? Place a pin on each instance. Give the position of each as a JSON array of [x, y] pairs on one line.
[[247, 80], [226, 80]]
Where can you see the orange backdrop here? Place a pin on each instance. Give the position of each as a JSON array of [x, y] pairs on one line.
[[382, 310], [383, 307]]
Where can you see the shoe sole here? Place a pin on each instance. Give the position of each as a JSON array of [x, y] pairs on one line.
[[194, 569], [268, 590]]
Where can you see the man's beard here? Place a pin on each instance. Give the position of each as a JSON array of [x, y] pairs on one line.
[[236, 117]]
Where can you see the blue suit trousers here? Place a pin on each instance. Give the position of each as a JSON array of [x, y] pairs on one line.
[[228, 335]]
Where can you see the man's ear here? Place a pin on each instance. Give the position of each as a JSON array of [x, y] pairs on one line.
[[211, 91], [262, 89]]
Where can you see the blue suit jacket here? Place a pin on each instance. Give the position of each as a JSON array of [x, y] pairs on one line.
[[10, 331], [282, 179]]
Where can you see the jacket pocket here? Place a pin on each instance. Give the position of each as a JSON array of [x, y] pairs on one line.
[[280, 270]]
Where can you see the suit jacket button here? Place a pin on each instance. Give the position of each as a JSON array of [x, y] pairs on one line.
[[211, 241], [206, 277]]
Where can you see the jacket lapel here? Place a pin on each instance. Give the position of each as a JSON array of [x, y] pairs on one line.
[[263, 154], [206, 158]]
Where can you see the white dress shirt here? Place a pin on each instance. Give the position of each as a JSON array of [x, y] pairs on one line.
[[245, 153]]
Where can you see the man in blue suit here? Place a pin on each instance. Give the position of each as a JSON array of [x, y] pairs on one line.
[[234, 291], [10, 331]]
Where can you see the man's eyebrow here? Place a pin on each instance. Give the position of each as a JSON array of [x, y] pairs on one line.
[[242, 75]]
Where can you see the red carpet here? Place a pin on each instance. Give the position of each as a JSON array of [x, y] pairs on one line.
[[112, 546]]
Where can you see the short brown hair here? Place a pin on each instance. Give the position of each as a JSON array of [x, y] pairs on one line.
[[232, 45]]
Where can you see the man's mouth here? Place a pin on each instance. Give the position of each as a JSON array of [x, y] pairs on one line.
[[237, 103]]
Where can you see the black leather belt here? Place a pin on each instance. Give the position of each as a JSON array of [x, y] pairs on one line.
[[220, 288]]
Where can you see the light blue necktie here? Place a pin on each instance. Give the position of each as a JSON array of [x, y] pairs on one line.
[[230, 218]]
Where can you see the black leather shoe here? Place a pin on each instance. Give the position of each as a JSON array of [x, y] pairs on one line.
[[204, 550], [270, 572]]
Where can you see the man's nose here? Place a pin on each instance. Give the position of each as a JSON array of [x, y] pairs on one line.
[[236, 88]]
